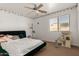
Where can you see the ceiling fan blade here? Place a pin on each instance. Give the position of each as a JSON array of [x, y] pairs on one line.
[[42, 11], [41, 5], [29, 8]]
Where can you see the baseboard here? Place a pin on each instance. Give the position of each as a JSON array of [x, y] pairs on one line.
[[47, 41], [73, 44], [77, 45]]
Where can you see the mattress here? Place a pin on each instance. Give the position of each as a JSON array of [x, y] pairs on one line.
[[21, 47]]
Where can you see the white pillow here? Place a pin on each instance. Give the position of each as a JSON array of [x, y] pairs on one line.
[[4, 39], [14, 37]]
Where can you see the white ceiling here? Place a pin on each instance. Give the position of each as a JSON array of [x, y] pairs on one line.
[[19, 8]]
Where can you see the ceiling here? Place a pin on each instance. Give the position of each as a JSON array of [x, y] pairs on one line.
[[19, 8]]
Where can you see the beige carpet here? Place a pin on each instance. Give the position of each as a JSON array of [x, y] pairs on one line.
[[51, 50]]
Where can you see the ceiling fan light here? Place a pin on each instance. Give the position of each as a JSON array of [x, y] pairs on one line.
[[51, 5]]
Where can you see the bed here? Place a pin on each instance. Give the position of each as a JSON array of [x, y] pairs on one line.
[[32, 46]]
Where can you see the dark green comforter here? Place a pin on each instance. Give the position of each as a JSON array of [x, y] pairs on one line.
[[3, 52]]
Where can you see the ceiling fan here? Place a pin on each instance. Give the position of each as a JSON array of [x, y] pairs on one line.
[[37, 8]]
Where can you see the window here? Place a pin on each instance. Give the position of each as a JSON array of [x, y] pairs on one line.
[[64, 23], [53, 24], [59, 24]]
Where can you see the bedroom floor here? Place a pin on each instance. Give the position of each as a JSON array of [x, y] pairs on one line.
[[51, 50]]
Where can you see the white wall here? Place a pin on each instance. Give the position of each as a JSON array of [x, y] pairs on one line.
[[78, 20], [9, 22], [42, 29]]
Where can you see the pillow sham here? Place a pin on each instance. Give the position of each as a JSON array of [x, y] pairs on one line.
[[14, 37], [5, 38]]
